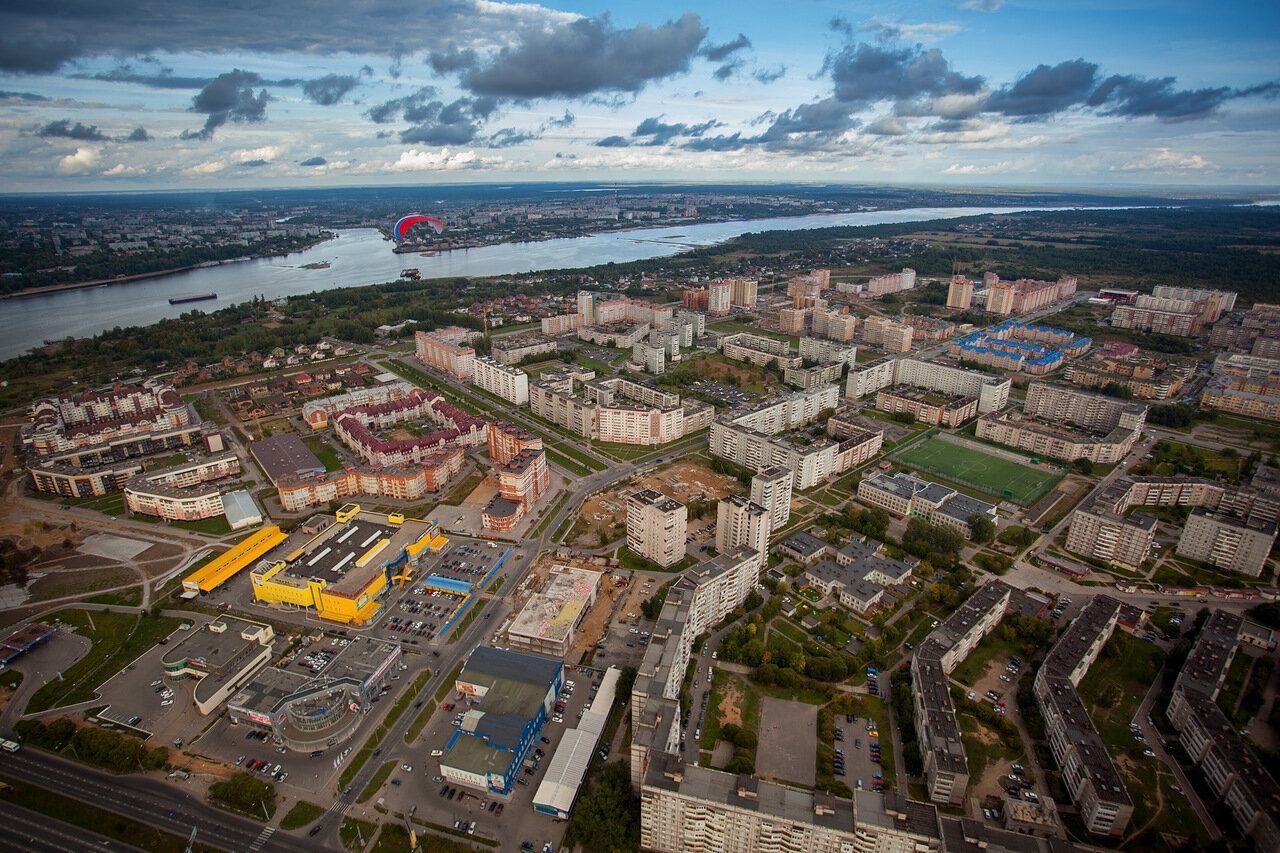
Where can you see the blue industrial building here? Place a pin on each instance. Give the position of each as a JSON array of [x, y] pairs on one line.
[[509, 696]]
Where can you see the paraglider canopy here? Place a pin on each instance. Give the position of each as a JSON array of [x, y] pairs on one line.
[[402, 226]]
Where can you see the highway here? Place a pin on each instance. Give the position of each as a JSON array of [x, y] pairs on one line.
[[151, 801], [26, 831]]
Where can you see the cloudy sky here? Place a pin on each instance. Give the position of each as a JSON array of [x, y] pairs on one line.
[[138, 94]]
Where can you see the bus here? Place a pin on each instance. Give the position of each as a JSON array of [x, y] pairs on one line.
[[9, 745]]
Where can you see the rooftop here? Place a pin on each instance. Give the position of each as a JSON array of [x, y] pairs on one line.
[[285, 457]]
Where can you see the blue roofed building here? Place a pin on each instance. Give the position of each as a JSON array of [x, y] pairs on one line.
[[509, 696]]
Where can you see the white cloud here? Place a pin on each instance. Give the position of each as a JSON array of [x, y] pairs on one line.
[[414, 160], [971, 132], [212, 167], [120, 170], [80, 162], [982, 5], [971, 169], [1163, 159], [268, 152]]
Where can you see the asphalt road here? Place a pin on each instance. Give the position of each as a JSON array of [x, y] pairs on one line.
[[26, 831], [151, 801]]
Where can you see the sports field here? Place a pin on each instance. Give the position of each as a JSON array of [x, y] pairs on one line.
[[998, 477]]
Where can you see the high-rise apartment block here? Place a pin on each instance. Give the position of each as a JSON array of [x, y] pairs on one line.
[[656, 527], [1024, 295], [445, 350], [771, 489], [509, 383], [888, 334], [719, 298], [960, 293], [742, 522]]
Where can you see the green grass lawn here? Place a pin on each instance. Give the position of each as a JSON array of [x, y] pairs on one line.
[[215, 526], [324, 452], [356, 833], [302, 814], [982, 746], [125, 598], [1115, 686], [992, 646], [379, 779], [118, 638], [997, 477], [789, 629], [464, 487]]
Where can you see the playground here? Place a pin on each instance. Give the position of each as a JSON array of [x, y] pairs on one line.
[[996, 472]]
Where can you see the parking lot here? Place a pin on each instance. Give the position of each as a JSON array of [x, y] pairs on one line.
[[729, 395], [858, 742], [424, 786]]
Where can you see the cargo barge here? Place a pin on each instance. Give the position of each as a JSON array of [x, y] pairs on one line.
[[192, 297]]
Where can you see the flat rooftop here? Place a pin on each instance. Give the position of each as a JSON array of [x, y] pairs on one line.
[[332, 556], [552, 613], [285, 457]]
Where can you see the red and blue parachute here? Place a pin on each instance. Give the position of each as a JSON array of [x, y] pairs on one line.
[[402, 226]]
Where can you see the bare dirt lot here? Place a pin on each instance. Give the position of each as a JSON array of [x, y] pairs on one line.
[[606, 512], [788, 741]]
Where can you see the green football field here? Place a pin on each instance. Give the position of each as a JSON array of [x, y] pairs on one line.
[[998, 477]]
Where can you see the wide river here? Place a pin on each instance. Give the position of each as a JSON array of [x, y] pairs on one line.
[[362, 256]]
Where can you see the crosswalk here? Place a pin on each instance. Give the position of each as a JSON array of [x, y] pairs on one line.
[[267, 832]]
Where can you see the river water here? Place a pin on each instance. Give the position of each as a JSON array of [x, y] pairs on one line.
[[362, 256]]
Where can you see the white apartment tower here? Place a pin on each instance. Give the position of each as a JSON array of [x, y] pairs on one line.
[[740, 521], [656, 527], [771, 489]]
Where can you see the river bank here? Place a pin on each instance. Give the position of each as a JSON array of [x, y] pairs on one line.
[[143, 276]]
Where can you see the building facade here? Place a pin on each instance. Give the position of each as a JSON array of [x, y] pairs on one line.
[[501, 380], [656, 527]]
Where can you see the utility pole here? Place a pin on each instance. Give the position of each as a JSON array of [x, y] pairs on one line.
[[192, 839]]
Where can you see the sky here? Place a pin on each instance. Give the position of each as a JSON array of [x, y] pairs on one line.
[[136, 95]]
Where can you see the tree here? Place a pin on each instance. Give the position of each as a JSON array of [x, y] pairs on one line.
[[981, 528], [1083, 465], [607, 817]]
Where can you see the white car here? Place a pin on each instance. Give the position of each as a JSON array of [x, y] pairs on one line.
[[407, 768], [166, 703], [436, 753]]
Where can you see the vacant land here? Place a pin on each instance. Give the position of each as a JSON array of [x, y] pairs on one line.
[[998, 477], [788, 741]]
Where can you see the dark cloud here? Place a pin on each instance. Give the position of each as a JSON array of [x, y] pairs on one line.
[[1131, 97], [138, 134], [721, 52], [32, 49], [865, 73], [509, 136], [330, 88], [587, 56], [30, 97], [829, 118], [724, 72], [391, 110], [162, 79], [732, 142], [435, 122], [64, 129], [253, 164], [229, 97], [440, 133], [40, 37], [560, 155], [451, 60], [397, 63], [612, 142], [1047, 89], [661, 132], [769, 75], [565, 120], [841, 24], [313, 161]]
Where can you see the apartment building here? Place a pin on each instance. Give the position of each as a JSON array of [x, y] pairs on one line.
[[828, 352], [1164, 316], [805, 291], [927, 407], [1145, 377], [928, 329], [960, 293], [881, 285], [740, 522], [78, 422], [509, 383], [1250, 397], [522, 480], [445, 350], [1024, 295], [771, 489], [759, 350], [183, 492], [561, 324], [791, 321], [656, 527], [616, 335], [430, 473], [1213, 303], [834, 324], [859, 574], [1212, 742], [691, 325], [719, 298], [887, 334], [1050, 440], [942, 749], [992, 392], [685, 808], [649, 358], [743, 292], [506, 441], [694, 298], [1102, 527], [813, 377], [1088, 772], [512, 349], [1227, 542], [1061, 404], [905, 495]]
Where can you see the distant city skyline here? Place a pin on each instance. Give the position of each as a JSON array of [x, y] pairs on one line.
[[135, 95]]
